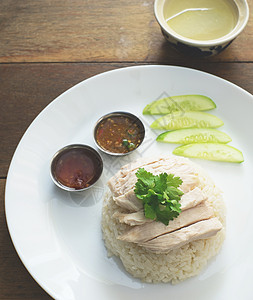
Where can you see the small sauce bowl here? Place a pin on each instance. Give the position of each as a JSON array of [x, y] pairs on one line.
[[76, 167], [200, 47], [118, 133]]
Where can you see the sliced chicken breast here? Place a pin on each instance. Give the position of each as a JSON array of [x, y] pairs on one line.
[[151, 230], [125, 179], [192, 198], [131, 167], [131, 203], [132, 219], [167, 242]]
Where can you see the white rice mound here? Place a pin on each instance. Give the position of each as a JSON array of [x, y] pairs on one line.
[[176, 265]]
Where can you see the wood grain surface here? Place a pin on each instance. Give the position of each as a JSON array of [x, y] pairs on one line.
[[47, 46], [87, 30]]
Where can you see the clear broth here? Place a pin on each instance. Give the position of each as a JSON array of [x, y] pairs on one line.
[[201, 19]]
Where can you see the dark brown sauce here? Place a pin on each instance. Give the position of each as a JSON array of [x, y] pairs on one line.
[[119, 134], [77, 168]]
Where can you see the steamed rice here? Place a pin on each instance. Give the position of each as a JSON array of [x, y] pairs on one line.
[[176, 265]]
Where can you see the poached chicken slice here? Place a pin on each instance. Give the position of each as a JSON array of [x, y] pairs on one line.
[[200, 230], [130, 202], [151, 230]]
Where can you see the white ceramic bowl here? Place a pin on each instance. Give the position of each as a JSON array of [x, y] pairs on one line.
[[197, 47]]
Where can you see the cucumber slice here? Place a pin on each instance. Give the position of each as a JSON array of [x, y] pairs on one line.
[[210, 151], [179, 103], [194, 135], [179, 120]]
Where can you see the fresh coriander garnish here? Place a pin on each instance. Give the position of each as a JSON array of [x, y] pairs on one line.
[[128, 144], [131, 146], [160, 195], [125, 142]]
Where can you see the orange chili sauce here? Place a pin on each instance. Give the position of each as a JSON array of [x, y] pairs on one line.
[[118, 134]]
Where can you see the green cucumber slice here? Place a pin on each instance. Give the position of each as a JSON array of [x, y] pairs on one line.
[[191, 119], [194, 135], [210, 151], [179, 103]]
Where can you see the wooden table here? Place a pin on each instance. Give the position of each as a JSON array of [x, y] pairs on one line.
[[47, 46]]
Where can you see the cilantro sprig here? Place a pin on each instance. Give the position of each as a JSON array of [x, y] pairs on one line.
[[160, 195]]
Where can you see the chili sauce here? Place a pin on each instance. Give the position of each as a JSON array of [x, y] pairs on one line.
[[119, 134], [77, 168]]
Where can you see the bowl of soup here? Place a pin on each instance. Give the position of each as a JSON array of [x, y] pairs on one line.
[[201, 27]]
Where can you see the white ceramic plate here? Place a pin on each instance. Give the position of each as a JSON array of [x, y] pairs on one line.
[[57, 235]]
